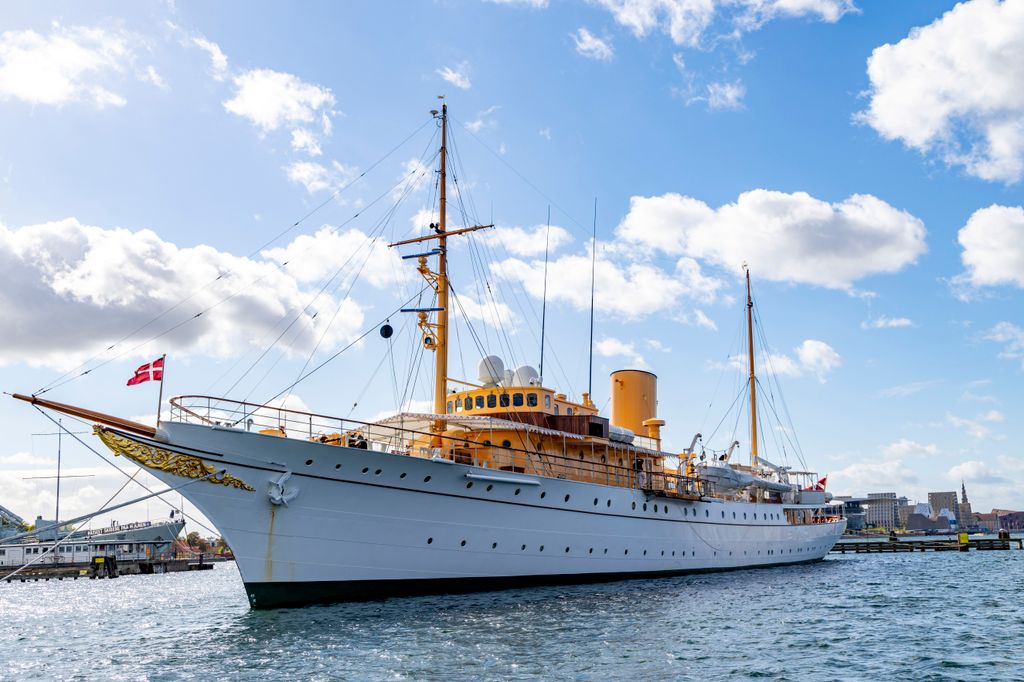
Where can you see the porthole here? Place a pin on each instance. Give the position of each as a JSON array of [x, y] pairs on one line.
[[665, 509], [430, 540], [634, 505], [590, 551], [543, 495], [517, 491], [662, 552], [542, 548], [626, 552], [645, 552], [566, 550], [755, 516], [494, 545], [426, 479], [744, 515], [506, 443], [645, 506], [655, 509], [673, 552], [365, 469], [377, 472], [308, 462], [470, 484], [608, 503], [523, 548], [734, 515], [463, 543], [595, 501], [402, 475], [338, 466], [707, 513], [490, 487], [723, 513], [566, 498], [605, 550]]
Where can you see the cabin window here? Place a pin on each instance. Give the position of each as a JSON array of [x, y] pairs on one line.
[[547, 402], [467, 404], [492, 401], [556, 408], [3, 552], [531, 400], [568, 411], [503, 400], [517, 400], [506, 443], [449, 407], [458, 405]]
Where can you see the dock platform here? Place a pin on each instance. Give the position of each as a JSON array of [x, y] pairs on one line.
[[894, 545]]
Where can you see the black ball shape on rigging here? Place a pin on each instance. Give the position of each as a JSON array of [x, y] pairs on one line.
[[386, 331]]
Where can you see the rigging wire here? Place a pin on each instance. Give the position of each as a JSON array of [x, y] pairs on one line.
[[59, 381]]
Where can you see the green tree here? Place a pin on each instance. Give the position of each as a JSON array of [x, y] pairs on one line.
[[193, 539]]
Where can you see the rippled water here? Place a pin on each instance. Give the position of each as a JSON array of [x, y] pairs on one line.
[[908, 616]]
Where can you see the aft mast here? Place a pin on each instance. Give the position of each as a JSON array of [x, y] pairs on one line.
[[753, 377]]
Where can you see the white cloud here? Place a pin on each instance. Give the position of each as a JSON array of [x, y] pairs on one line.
[[527, 242], [1012, 338], [818, 357], [415, 176], [67, 289], [657, 345], [904, 447], [883, 322], [545, 133], [993, 249], [686, 21], [784, 237], [975, 427], [484, 119], [904, 390], [271, 99], [976, 472], [316, 177], [491, 312], [458, 76], [610, 347], [312, 258], [867, 477], [592, 47], [26, 459], [70, 64], [630, 289], [305, 141], [218, 60], [725, 95], [953, 87], [151, 75]]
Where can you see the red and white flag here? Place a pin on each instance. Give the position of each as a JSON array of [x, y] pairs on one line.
[[153, 371]]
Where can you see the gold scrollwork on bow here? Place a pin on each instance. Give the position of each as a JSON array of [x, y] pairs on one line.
[[173, 463]]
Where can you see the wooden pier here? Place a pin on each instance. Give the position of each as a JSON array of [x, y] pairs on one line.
[[105, 567], [895, 545]]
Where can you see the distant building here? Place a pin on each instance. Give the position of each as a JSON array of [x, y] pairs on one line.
[[853, 511], [1013, 520], [881, 510], [965, 517], [904, 508], [940, 501]]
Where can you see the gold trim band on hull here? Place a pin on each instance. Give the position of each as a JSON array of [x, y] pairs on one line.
[[151, 457]]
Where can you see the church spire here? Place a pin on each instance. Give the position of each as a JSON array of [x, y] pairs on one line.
[[963, 492]]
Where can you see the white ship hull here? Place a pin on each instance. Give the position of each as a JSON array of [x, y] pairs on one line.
[[364, 524]]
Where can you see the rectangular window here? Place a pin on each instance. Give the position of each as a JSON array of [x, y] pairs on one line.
[[547, 402], [449, 407], [531, 400], [503, 400], [479, 402], [3, 552], [517, 400], [568, 411], [556, 408], [467, 404], [492, 401], [458, 405]]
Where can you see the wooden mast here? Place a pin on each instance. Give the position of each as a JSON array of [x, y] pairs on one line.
[[753, 378], [441, 353]]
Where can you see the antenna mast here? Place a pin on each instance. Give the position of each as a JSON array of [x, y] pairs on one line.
[[544, 303], [753, 378], [593, 268]]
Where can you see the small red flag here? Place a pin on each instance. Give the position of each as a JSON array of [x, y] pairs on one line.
[[153, 371]]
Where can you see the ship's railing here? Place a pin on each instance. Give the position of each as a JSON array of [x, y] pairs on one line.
[[565, 457]]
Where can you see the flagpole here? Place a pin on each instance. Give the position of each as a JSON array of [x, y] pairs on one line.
[[160, 399]]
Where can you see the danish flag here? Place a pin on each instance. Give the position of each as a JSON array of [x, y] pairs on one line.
[[820, 485], [153, 371]]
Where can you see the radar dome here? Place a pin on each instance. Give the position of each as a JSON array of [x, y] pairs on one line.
[[491, 371], [525, 376]]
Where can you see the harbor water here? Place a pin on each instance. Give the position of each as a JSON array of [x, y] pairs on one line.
[[919, 616]]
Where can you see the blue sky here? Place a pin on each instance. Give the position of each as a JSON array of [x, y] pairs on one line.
[[150, 147]]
